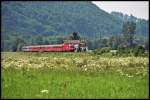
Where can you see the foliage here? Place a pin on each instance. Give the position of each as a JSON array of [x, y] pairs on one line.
[[102, 50], [147, 44], [141, 26], [136, 51], [121, 49], [128, 31], [139, 50], [75, 36]]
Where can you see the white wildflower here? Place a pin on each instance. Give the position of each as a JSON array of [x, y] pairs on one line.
[[128, 75], [44, 91], [85, 69]]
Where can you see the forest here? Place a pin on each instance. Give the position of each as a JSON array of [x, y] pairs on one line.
[[31, 23]]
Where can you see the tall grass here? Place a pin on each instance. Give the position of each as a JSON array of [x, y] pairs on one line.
[[64, 84], [73, 75]]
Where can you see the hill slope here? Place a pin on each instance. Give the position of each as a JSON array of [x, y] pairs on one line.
[[51, 20]]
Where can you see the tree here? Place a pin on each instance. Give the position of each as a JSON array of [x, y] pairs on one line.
[[75, 36], [39, 40], [17, 42], [147, 44], [139, 50], [111, 41], [46, 42], [128, 31], [104, 42]]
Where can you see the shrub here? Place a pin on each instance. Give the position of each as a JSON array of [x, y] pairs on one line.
[[138, 51], [102, 50], [121, 49], [134, 51]]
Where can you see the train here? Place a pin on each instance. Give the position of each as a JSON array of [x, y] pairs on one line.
[[67, 46]]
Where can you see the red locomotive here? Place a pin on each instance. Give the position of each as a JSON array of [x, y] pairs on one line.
[[67, 46]]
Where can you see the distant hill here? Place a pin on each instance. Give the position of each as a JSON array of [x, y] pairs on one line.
[[30, 20], [142, 26]]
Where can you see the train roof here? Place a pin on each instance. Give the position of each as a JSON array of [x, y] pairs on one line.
[[72, 41], [58, 45]]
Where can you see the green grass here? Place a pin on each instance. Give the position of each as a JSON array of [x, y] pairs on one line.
[[29, 82], [63, 84]]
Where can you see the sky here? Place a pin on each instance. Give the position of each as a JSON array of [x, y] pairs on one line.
[[139, 9]]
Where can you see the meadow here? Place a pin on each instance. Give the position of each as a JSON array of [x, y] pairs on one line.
[[73, 75]]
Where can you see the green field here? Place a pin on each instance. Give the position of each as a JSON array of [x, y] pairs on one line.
[[73, 75]]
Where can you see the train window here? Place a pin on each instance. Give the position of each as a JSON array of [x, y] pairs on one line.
[[56, 47], [25, 48], [71, 46]]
